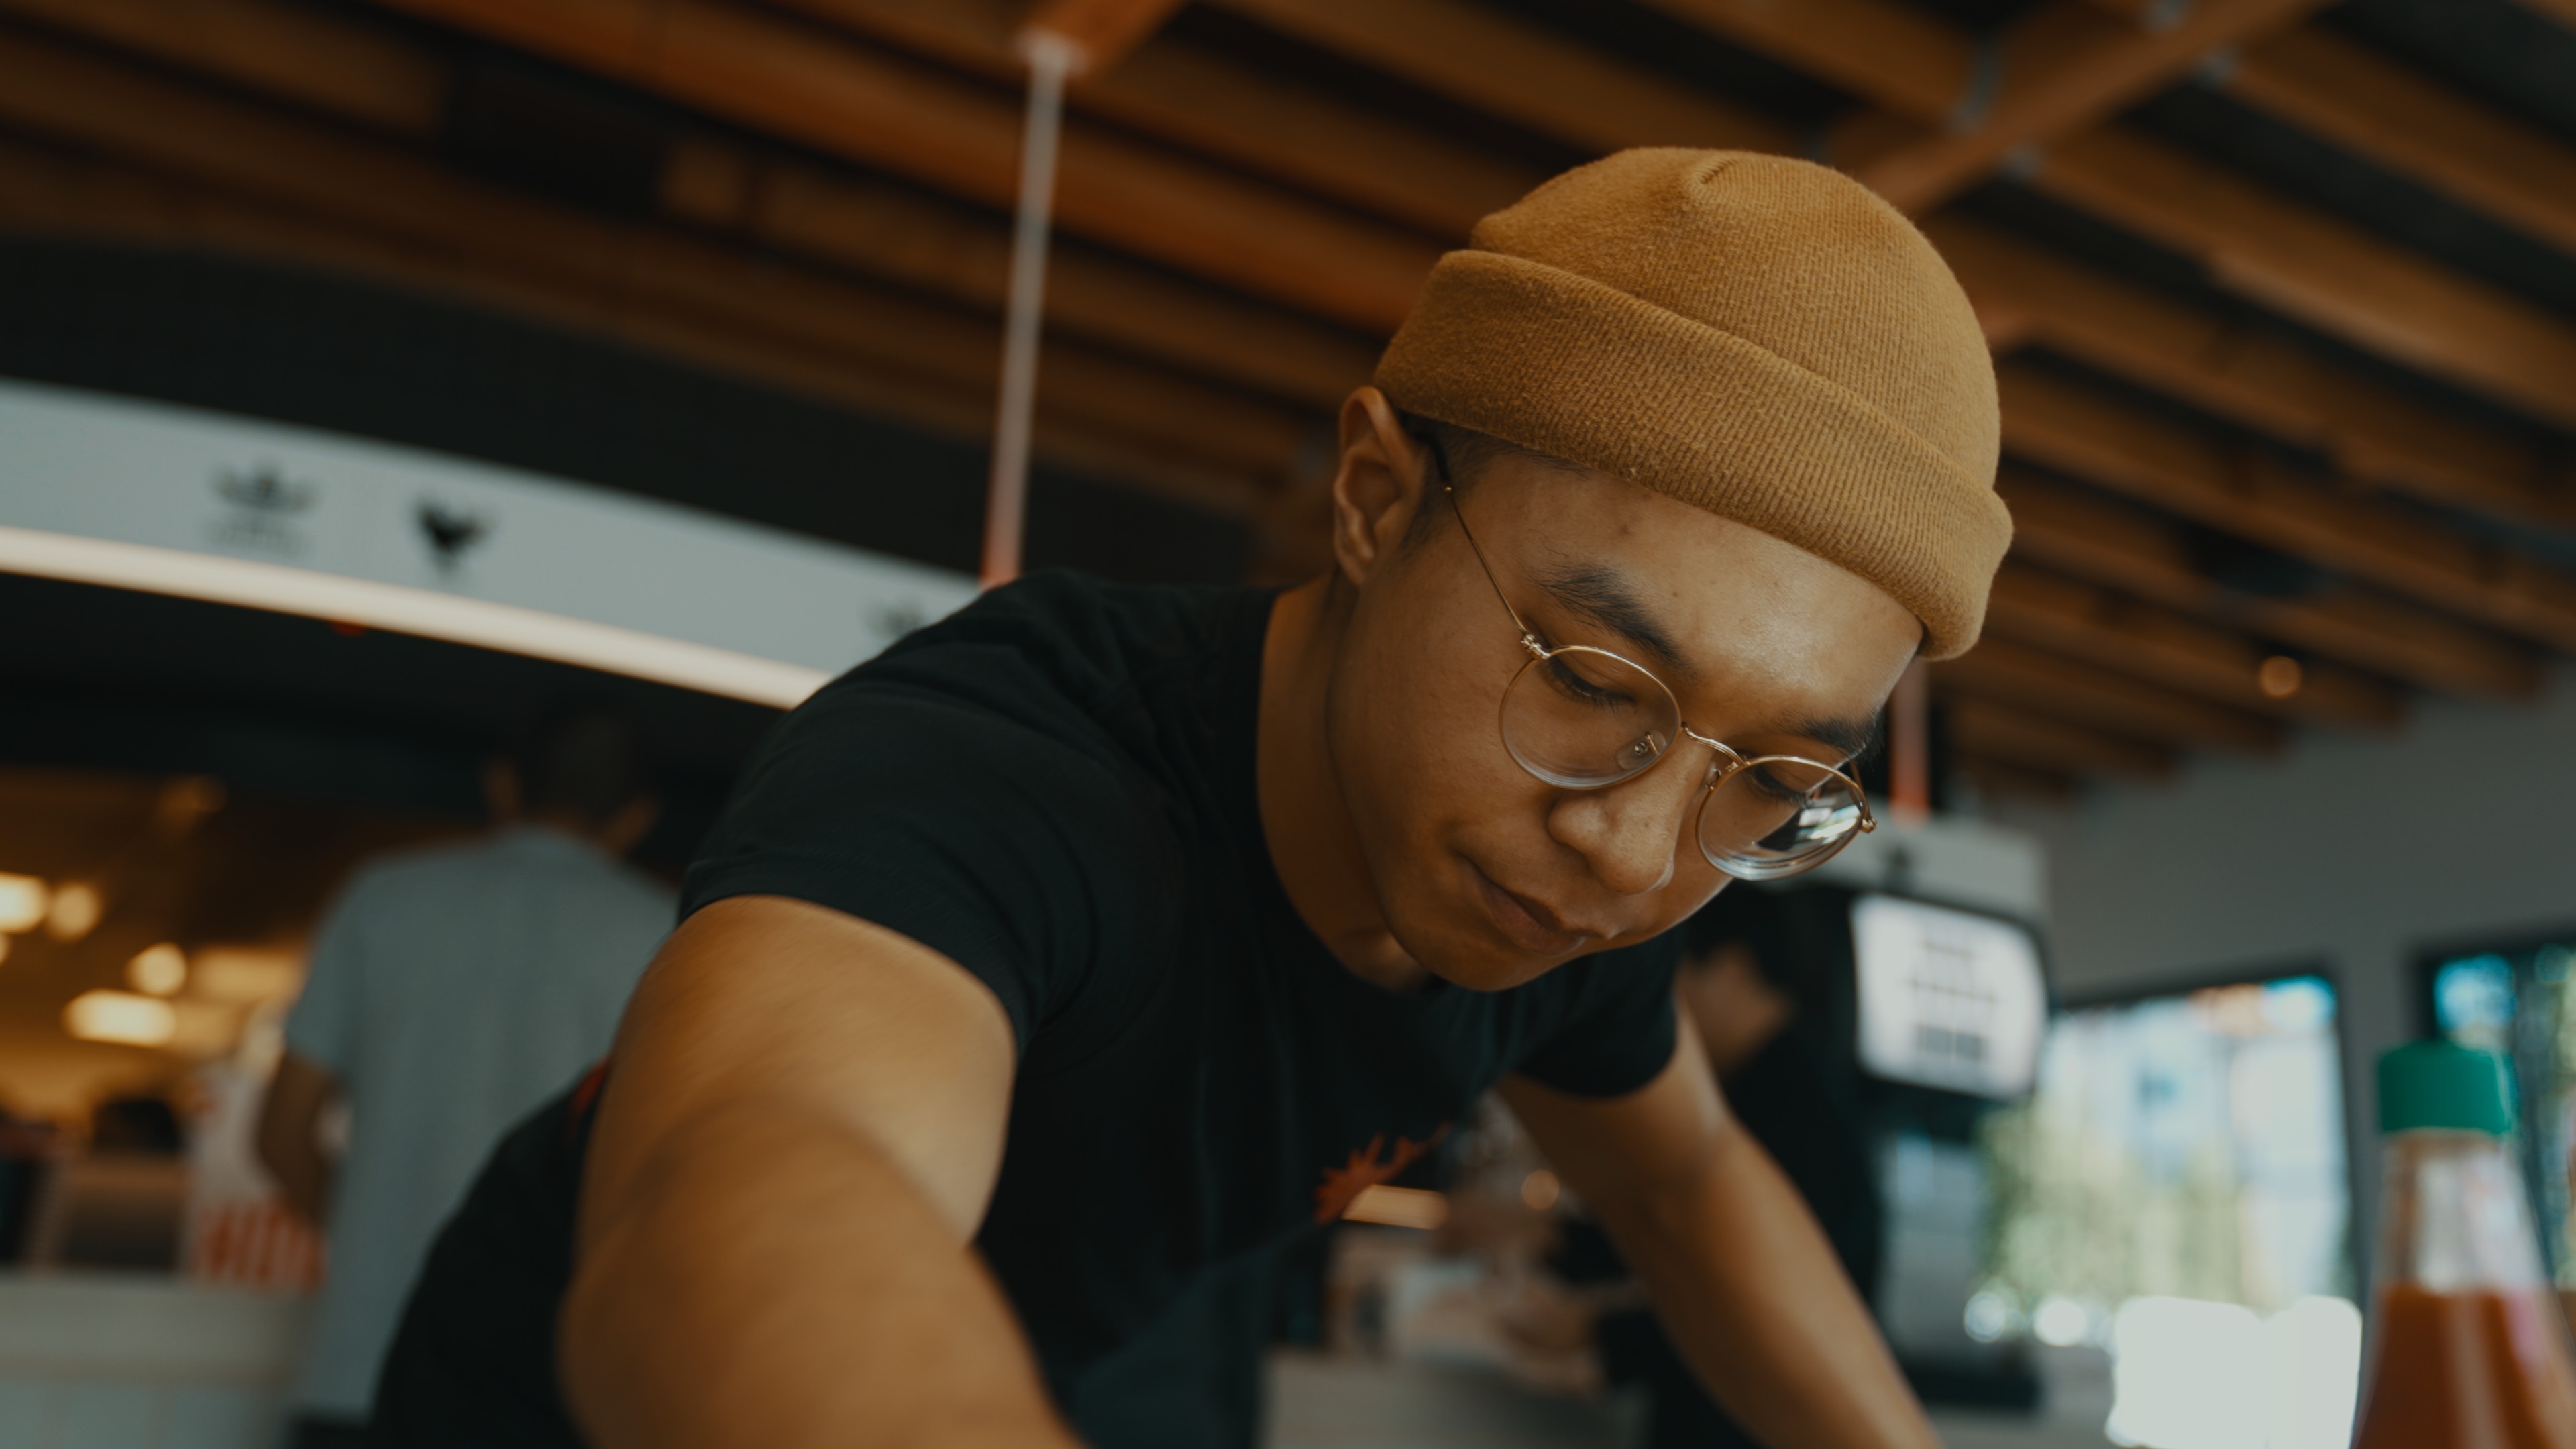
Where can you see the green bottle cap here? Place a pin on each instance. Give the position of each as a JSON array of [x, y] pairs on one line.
[[2440, 1084]]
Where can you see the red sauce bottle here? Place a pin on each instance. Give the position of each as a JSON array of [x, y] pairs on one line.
[[2469, 1349]]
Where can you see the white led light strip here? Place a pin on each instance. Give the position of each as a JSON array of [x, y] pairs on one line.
[[335, 598]]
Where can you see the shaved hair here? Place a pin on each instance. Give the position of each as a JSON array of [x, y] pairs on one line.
[[1468, 453]]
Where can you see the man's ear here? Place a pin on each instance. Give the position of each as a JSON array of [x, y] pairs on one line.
[[1377, 488]]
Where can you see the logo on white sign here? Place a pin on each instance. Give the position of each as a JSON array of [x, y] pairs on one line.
[[261, 508]]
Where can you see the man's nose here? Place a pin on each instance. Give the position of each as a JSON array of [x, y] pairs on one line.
[[1631, 834]]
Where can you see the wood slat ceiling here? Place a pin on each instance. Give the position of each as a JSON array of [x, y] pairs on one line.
[[2286, 448]]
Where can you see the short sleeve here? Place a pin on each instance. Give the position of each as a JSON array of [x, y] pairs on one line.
[[1619, 1025], [990, 840], [323, 1027]]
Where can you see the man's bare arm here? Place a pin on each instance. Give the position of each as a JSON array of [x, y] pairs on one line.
[[289, 1117], [798, 1137], [1741, 1275]]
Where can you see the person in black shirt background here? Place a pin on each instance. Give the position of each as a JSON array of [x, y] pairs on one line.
[[1760, 1006], [1095, 941]]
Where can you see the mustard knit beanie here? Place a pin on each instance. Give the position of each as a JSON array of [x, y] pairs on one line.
[[1756, 336]]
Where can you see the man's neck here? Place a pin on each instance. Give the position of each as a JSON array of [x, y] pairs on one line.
[[1306, 820]]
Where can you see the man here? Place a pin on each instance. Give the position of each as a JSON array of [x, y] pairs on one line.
[[450, 991], [1751, 989], [1752, 995], [1098, 938]]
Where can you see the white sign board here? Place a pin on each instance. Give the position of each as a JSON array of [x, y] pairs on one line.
[[1948, 998], [208, 505]]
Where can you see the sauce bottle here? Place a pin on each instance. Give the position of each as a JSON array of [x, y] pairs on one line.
[[2470, 1350]]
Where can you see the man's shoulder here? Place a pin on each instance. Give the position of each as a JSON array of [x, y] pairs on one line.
[[1059, 641], [1072, 609], [1057, 687], [1016, 781]]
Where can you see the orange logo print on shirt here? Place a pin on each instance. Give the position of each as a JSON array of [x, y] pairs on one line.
[[1342, 1185]]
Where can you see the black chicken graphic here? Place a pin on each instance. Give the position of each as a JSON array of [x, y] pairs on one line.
[[450, 533]]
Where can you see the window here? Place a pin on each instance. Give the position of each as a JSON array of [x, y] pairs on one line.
[[2516, 1001], [2189, 1146], [2175, 1191]]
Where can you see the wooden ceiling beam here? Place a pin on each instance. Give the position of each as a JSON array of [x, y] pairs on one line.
[[1903, 57], [2145, 554], [2380, 110], [1104, 30], [2255, 375], [1990, 731], [1524, 73], [1189, 98], [230, 146], [2093, 626], [954, 252], [806, 84], [2036, 681], [2088, 433], [2405, 444], [46, 193], [2062, 68], [1307, 138], [290, 51], [2320, 270], [2145, 14], [1948, 109]]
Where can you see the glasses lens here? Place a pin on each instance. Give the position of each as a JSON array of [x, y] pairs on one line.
[[1582, 718], [1777, 817]]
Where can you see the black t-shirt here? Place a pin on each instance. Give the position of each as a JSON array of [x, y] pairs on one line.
[[1055, 789]]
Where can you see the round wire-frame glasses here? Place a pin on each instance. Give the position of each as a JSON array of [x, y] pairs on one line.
[[1582, 718]]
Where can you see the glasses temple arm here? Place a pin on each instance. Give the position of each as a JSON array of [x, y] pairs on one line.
[[1529, 637]]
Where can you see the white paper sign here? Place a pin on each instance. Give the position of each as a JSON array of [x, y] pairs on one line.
[[1948, 998]]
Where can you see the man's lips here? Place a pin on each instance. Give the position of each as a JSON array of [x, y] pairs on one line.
[[1524, 922]]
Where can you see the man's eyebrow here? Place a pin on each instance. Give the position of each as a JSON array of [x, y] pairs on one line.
[[1602, 595], [1853, 738]]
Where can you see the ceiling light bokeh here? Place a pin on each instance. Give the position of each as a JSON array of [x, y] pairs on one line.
[[75, 911], [246, 975], [1540, 1190], [2280, 676], [121, 1018], [204, 1028], [158, 970], [186, 801], [23, 902]]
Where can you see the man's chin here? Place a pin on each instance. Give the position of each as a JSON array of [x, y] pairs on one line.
[[1455, 942]]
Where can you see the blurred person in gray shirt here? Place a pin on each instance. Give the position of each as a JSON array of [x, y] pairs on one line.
[[452, 990]]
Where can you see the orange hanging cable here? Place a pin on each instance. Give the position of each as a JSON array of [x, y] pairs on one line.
[[1909, 747]]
